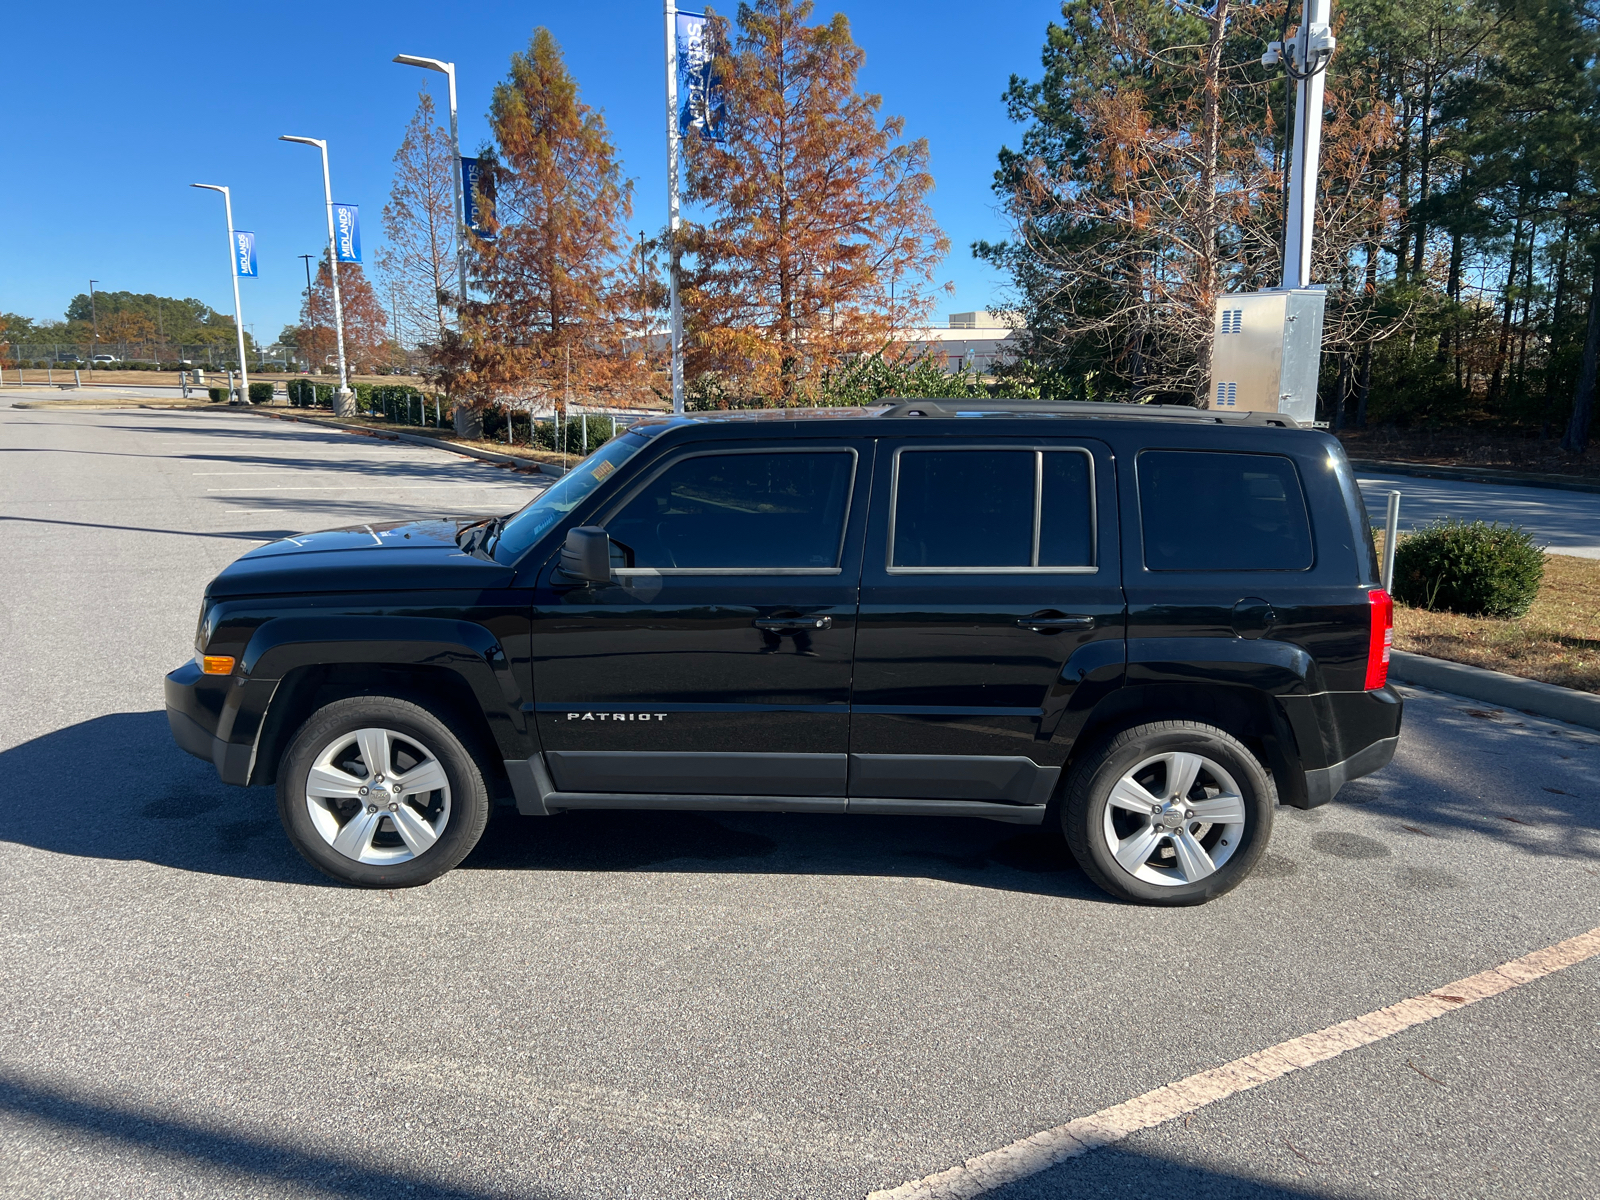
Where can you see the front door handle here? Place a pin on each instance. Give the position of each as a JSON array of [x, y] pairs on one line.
[[1053, 622], [786, 624]]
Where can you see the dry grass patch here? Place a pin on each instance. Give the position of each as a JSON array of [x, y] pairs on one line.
[[1557, 642]]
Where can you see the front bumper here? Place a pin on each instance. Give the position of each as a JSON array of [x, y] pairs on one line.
[[217, 718]]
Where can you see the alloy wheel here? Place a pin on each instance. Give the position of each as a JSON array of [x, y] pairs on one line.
[[1174, 819], [378, 796]]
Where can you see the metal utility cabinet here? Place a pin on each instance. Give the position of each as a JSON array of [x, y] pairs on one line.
[[1266, 352]]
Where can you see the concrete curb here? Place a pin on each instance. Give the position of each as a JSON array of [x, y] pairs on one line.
[[1373, 466], [1496, 687], [418, 440]]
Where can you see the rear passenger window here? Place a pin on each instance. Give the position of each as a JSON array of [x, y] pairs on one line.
[[1203, 510], [731, 512], [993, 510]]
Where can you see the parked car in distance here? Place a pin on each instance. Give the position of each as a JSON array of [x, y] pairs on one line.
[[103, 358], [1143, 626]]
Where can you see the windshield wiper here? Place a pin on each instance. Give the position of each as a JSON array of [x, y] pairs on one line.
[[475, 539]]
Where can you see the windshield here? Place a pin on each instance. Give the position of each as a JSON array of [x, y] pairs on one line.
[[535, 519]]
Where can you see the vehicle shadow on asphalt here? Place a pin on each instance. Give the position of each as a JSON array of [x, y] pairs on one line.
[[956, 850], [149, 802], [232, 1160], [167, 808]]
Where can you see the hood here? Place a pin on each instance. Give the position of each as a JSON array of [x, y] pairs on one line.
[[391, 556]]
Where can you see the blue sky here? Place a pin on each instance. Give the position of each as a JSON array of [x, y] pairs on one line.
[[116, 109]]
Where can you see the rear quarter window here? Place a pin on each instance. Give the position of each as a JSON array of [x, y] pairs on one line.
[[1206, 510]]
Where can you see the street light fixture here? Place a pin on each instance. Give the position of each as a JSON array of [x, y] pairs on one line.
[[342, 400], [233, 274], [448, 70]]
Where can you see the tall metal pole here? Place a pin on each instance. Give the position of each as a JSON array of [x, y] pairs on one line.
[[455, 178], [233, 276], [341, 402], [1308, 57], [672, 204], [95, 318], [306, 258]]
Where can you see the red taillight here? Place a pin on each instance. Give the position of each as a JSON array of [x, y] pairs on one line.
[[1381, 606]]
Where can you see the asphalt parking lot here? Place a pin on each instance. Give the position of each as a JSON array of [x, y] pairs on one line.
[[696, 1004]]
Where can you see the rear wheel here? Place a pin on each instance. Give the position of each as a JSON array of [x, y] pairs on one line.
[[1174, 812], [378, 792]]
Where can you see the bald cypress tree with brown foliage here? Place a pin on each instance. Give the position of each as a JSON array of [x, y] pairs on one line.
[[551, 276], [820, 242]]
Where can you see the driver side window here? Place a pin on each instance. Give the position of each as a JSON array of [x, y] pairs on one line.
[[757, 511]]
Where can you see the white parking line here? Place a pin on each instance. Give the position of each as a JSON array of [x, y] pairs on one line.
[[1043, 1150]]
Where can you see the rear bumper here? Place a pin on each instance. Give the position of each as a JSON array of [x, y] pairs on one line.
[[1341, 736], [201, 711], [1323, 784]]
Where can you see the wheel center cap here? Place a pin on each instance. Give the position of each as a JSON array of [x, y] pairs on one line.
[[1171, 817]]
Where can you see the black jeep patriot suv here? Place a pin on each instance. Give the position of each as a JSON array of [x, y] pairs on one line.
[[1144, 625]]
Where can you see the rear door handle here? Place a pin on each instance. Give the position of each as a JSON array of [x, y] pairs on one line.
[[781, 624], [1054, 622]]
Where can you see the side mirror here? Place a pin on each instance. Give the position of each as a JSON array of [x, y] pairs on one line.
[[586, 555]]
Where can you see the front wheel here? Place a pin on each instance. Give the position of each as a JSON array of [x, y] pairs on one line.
[[1170, 813], [378, 792]]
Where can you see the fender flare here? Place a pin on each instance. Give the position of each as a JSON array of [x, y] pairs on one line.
[[285, 644]]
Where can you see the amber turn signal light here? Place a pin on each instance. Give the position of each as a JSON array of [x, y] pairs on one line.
[[217, 664]]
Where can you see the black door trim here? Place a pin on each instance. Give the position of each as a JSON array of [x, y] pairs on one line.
[[1002, 779], [675, 772]]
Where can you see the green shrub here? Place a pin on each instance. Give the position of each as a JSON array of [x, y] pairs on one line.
[[305, 394], [1476, 569], [260, 393], [219, 395]]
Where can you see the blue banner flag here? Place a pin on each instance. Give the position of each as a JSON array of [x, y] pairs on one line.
[[347, 232], [701, 104], [244, 253], [476, 195]]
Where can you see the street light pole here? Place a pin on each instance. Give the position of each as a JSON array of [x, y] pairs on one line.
[[233, 275], [94, 317], [342, 400], [674, 304], [1306, 60], [306, 258], [448, 70]]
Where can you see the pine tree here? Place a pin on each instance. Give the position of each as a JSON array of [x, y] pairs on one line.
[[1150, 180], [821, 242]]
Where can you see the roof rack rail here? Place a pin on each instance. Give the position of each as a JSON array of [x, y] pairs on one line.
[[1104, 409]]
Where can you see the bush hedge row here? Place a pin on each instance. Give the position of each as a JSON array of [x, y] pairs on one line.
[[407, 406]]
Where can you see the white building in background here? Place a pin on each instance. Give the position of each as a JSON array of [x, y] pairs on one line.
[[973, 340]]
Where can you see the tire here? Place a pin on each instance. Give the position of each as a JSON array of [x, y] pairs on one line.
[[354, 824], [1159, 855]]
